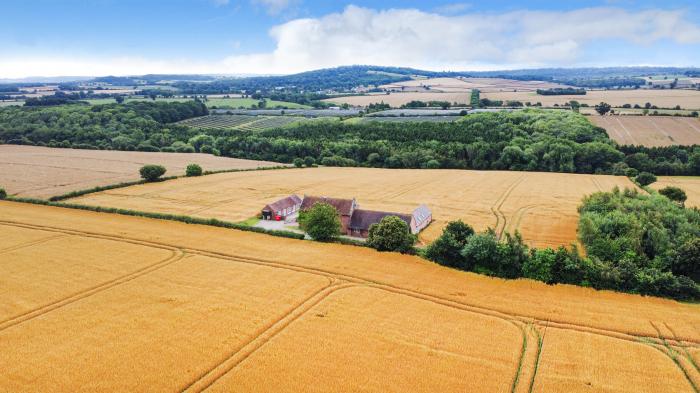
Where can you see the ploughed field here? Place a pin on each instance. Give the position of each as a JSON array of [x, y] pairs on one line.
[[651, 131], [689, 184], [43, 172], [542, 206], [97, 302]]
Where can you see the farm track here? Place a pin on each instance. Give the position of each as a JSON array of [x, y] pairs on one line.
[[29, 244], [37, 312], [504, 315], [629, 134], [673, 355], [540, 345], [501, 219]]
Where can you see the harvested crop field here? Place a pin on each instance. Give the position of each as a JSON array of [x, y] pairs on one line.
[[193, 308], [452, 85], [687, 99], [689, 184], [651, 131], [542, 206], [43, 172], [398, 99]]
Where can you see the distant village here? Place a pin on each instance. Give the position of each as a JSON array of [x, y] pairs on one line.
[[355, 222]]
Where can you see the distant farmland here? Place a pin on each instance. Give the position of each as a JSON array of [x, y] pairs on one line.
[[689, 184], [242, 122], [650, 131], [687, 99], [456, 85], [398, 99]]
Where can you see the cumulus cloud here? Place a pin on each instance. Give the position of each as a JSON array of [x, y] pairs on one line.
[[415, 38], [409, 37]]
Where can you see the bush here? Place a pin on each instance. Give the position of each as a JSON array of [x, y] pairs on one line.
[[3, 193], [321, 222], [674, 193], [144, 146], [432, 164], [298, 162], [391, 234], [152, 172], [309, 161], [193, 170], [645, 178], [446, 249]]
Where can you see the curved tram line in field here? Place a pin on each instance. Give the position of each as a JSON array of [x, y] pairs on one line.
[[338, 282]]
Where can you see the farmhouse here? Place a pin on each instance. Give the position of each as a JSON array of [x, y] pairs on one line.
[[356, 222], [345, 208], [281, 209]]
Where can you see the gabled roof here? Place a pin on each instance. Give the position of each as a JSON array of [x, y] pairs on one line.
[[421, 213], [343, 206], [362, 219], [283, 203]]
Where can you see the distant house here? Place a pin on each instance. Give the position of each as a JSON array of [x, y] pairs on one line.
[[345, 208], [421, 218], [282, 208]]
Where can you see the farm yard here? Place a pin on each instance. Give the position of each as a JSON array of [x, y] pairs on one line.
[[42, 172], [87, 291], [242, 122], [689, 184], [542, 206], [650, 131]]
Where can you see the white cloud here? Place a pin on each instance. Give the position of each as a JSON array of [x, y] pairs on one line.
[[274, 7], [414, 38], [408, 37], [453, 8]]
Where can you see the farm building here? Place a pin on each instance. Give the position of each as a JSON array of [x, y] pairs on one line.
[[356, 222], [345, 208], [281, 209], [362, 219]]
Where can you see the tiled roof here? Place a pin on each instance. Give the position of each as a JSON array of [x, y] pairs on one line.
[[421, 213], [362, 219], [284, 203], [343, 206]]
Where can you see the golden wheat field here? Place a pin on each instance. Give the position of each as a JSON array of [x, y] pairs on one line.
[[396, 99], [650, 131], [542, 206], [687, 99], [134, 304], [689, 184], [44, 172]]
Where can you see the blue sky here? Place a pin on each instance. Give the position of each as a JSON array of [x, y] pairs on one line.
[[95, 37]]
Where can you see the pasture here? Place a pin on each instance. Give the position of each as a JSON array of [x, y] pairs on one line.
[[93, 302], [542, 206], [42, 172], [689, 184], [650, 131]]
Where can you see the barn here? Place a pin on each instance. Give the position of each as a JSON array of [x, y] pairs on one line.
[[362, 219], [345, 208], [282, 209]]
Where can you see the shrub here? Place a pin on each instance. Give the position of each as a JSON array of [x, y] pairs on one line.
[[391, 234], [645, 178], [298, 162], [686, 260], [321, 222], [144, 146], [446, 249], [674, 193], [309, 161], [152, 172], [193, 170], [3, 193], [432, 164]]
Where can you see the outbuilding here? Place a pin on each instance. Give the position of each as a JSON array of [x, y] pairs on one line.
[[282, 209]]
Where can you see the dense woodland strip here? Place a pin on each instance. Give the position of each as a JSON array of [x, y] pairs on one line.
[[527, 140]]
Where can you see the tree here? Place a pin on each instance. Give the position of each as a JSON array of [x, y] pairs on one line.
[[3, 193], [119, 99], [193, 170], [309, 161], [645, 178], [321, 222], [674, 193], [152, 172], [602, 108], [686, 260], [391, 234], [446, 249], [432, 164], [298, 162]]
